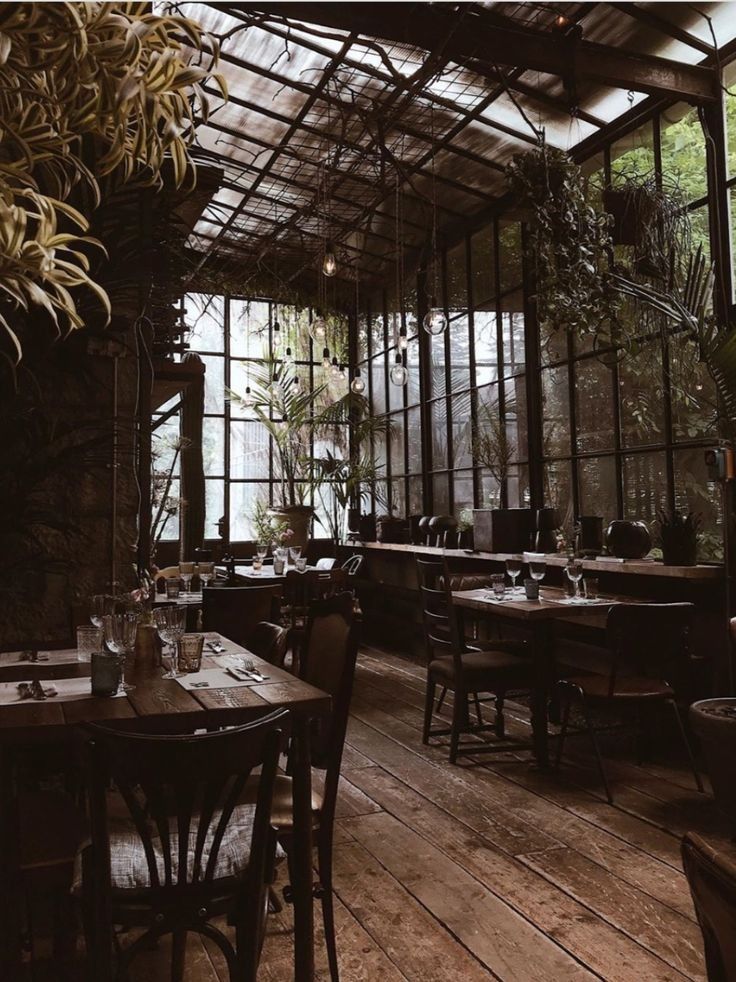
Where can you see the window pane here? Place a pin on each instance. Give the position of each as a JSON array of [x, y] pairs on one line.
[[457, 282], [459, 353], [516, 418], [439, 434], [482, 263], [397, 445], [414, 438], [249, 450], [214, 384], [645, 486], [214, 499], [378, 332], [555, 411], [416, 501], [514, 356], [206, 318], [441, 494], [213, 447], [398, 498], [486, 350], [490, 490], [558, 489], [412, 367], [168, 527], [594, 405], [597, 481], [640, 394], [552, 344], [461, 431], [633, 155], [694, 397], [518, 487], [694, 492], [378, 380], [243, 499], [437, 348], [249, 329], [463, 490], [683, 150], [509, 237]]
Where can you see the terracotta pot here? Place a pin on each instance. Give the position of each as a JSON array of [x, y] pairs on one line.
[[714, 723], [298, 518], [628, 540]]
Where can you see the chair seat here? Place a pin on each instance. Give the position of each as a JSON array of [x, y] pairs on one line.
[[129, 868], [483, 668], [627, 687], [283, 803]]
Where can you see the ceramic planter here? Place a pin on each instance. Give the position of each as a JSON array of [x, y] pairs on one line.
[[298, 518]]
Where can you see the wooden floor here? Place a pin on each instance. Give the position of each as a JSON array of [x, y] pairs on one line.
[[491, 869]]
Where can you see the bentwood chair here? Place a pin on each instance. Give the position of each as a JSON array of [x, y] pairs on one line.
[[711, 875], [647, 644], [451, 663], [234, 611], [270, 642], [354, 565], [328, 662], [184, 849]]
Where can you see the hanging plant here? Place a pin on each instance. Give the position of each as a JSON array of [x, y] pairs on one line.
[[87, 91], [570, 242]]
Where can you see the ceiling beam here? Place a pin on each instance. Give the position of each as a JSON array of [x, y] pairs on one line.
[[467, 37], [658, 23]]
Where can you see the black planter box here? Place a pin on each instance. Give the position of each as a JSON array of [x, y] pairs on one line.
[[502, 529]]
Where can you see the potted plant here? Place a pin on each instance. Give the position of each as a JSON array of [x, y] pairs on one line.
[[678, 534], [465, 529], [714, 723]]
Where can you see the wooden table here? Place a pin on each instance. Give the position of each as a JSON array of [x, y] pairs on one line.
[[154, 701], [539, 617]]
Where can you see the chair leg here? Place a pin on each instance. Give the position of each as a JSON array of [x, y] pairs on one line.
[[459, 716], [500, 728], [596, 750], [178, 953], [688, 748], [563, 732], [428, 709], [274, 902], [327, 899], [478, 713], [441, 699]]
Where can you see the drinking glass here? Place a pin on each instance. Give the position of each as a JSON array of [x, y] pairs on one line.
[[301, 564], [100, 605], [172, 588], [190, 652], [294, 553], [498, 582], [574, 570], [120, 631], [278, 565], [89, 640], [590, 587], [257, 564], [206, 573], [537, 569], [186, 572], [171, 624], [513, 568]]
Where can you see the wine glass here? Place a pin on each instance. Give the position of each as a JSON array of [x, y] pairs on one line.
[[186, 572], [294, 553], [513, 568], [261, 550], [574, 570], [120, 632], [171, 624], [99, 605], [206, 573], [537, 569]]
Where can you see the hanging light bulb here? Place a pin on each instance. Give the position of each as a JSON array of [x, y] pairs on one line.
[[249, 400], [342, 373], [326, 358], [334, 367], [358, 384], [329, 263], [296, 383], [318, 329], [403, 340], [435, 321], [399, 375], [288, 357], [276, 336]]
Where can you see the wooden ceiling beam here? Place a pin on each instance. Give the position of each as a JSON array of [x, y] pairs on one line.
[[467, 37]]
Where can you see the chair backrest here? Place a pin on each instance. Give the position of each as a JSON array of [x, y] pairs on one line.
[[326, 563], [712, 879], [650, 640], [300, 589], [354, 565], [180, 791], [269, 641], [328, 662], [234, 611], [319, 549], [428, 572], [333, 582]]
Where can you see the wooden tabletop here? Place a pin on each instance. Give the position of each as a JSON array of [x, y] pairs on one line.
[[155, 699], [548, 607]]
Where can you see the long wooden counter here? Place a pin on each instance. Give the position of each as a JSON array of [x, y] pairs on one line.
[[630, 566]]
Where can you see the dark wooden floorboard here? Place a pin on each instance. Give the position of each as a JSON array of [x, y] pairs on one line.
[[491, 870]]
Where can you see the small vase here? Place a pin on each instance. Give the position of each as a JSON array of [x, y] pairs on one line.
[[628, 540]]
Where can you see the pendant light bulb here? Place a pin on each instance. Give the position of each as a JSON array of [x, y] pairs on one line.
[[435, 322], [248, 399], [318, 329], [334, 367], [276, 336], [288, 357], [329, 263], [399, 375], [326, 358], [296, 383], [403, 340], [358, 384], [342, 373]]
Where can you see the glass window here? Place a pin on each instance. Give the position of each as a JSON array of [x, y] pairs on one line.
[[632, 156], [645, 486], [397, 445], [414, 439], [462, 431], [486, 347], [441, 494], [378, 383], [457, 279], [482, 264], [597, 481], [594, 405], [249, 328], [555, 411], [463, 485], [683, 150], [205, 316], [439, 434], [214, 384], [439, 382], [696, 493], [640, 397]]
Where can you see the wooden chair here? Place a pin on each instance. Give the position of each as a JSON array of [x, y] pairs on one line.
[[333, 582], [235, 611], [184, 851], [300, 589], [645, 643], [465, 671], [270, 642], [711, 875], [354, 565], [328, 662]]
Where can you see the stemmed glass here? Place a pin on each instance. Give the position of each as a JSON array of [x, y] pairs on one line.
[[537, 569], [171, 623], [120, 632], [100, 605], [206, 573], [261, 550], [513, 568], [294, 553], [574, 571], [186, 572]]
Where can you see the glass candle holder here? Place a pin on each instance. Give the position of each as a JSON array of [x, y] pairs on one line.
[[89, 640], [106, 670], [498, 582], [190, 652]]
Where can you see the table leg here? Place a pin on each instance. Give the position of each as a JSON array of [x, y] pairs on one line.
[[302, 860], [543, 643], [10, 924]]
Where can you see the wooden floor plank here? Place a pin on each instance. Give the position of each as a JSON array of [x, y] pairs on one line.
[[497, 935]]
